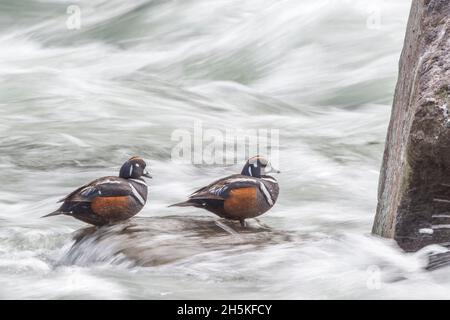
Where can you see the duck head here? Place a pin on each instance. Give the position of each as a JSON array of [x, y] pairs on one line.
[[257, 166], [134, 168]]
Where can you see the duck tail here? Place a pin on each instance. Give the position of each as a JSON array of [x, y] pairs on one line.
[[183, 204], [54, 213]]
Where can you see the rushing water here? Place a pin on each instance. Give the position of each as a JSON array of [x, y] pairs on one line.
[[75, 103]]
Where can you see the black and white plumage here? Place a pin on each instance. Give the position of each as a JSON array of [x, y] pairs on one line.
[[239, 196], [109, 199]]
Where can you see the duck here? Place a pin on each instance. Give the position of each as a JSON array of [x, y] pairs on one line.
[[110, 199], [239, 196]]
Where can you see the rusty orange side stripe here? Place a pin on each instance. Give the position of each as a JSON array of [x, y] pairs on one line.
[[240, 200], [104, 206]]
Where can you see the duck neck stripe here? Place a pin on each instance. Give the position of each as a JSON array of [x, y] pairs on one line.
[[266, 193], [139, 181], [270, 179], [137, 195]]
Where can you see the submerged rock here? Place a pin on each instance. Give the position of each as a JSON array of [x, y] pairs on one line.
[[160, 240], [414, 187]]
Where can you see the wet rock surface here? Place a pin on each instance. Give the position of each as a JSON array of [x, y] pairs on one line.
[[414, 188], [161, 240]]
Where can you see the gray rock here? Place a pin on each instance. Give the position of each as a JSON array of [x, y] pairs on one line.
[[163, 240], [414, 187]]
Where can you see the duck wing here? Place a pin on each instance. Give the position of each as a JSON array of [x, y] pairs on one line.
[[103, 187], [220, 189]]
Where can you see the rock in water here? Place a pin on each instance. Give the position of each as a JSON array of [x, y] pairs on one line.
[[163, 240], [414, 187]]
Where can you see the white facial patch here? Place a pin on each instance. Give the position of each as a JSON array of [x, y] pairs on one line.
[[137, 165]]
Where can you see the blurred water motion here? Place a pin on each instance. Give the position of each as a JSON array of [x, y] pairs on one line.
[[74, 103]]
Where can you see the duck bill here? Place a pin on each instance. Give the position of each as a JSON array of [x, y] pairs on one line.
[[147, 175], [273, 170]]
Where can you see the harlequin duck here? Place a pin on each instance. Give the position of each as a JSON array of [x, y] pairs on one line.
[[109, 199], [239, 196]]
